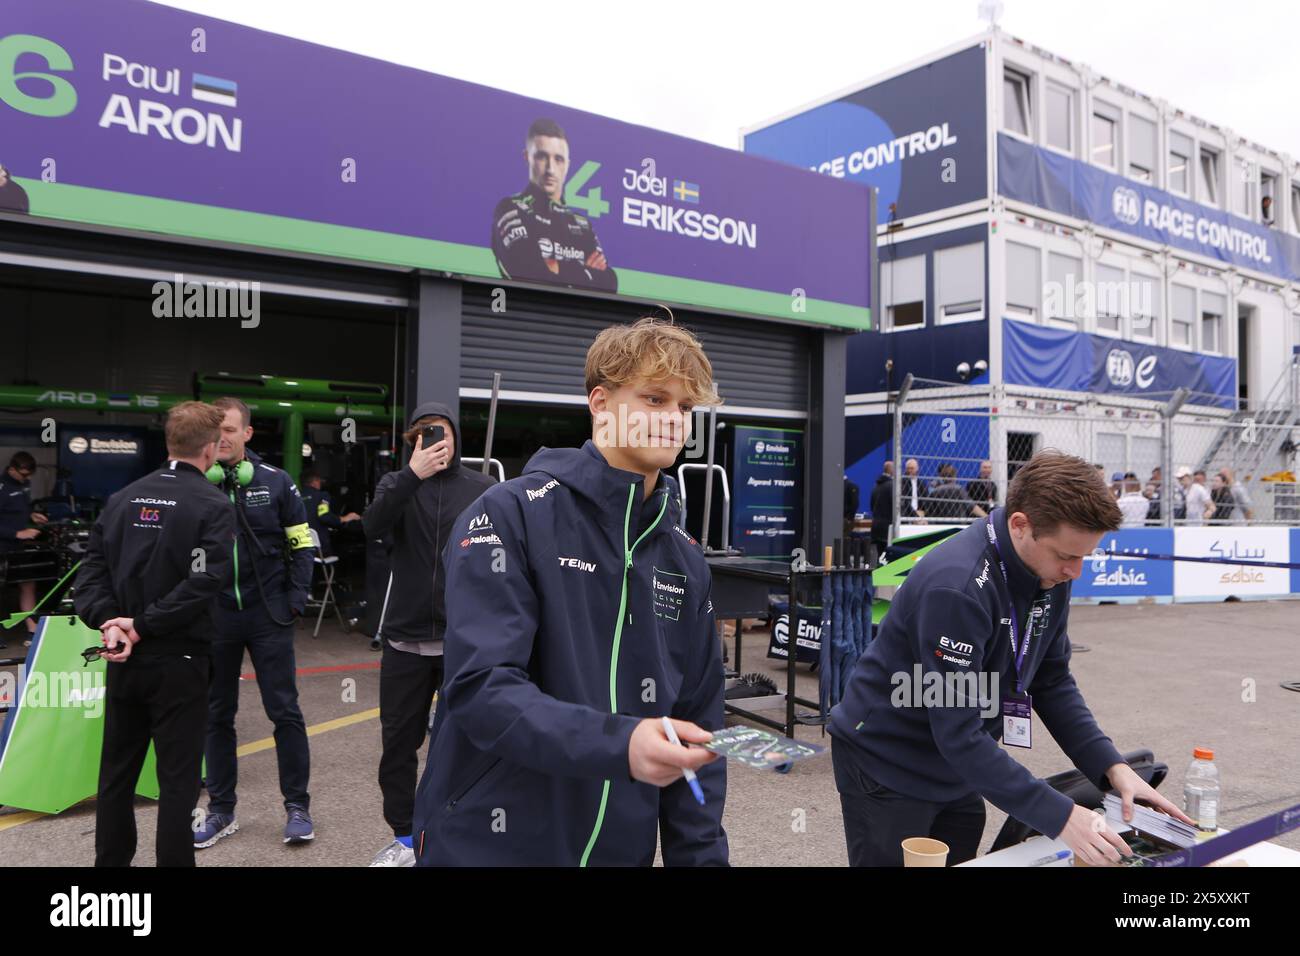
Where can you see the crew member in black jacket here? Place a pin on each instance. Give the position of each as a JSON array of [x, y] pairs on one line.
[[882, 512], [418, 505], [256, 612], [320, 511], [158, 556]]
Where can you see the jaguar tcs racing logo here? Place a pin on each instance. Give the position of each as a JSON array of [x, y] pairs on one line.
[[1123, 372]]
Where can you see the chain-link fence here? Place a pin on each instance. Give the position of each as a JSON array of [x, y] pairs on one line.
[[956, 448]]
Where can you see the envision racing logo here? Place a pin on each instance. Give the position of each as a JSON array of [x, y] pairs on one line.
[[807, 634]]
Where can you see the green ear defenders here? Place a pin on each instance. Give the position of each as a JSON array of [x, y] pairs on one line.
[[241, 474]]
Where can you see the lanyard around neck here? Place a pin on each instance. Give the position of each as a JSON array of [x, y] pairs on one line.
[[1017, 656]]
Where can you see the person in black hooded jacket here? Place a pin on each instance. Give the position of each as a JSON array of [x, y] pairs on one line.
[[418, 505]]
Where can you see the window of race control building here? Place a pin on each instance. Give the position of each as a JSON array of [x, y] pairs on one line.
[[959, 283], [1141, 148], [1182, 315], [1024, 289], [1016, 115], [1105, 135], [1060, 117], [1180, 164], [902, 293]]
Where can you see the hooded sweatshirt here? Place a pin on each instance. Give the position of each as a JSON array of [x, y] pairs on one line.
[[419, 514], [579, 608]]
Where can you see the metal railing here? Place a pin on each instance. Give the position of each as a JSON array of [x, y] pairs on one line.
[[949, 433]]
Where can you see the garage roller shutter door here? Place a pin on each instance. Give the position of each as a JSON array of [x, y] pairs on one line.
[[540, 344]]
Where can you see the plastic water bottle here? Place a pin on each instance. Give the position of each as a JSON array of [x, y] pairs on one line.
[[1201, 790]]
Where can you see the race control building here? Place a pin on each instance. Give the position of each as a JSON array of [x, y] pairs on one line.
[[1065, 246]]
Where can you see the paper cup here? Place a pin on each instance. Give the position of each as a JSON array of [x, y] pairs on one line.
[[922, 851]]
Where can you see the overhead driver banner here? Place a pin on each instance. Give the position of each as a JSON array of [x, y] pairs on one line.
[[129, 114]]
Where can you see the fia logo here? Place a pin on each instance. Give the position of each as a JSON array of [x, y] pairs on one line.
[[1126, 206], [1122, 371], [1119, 367]]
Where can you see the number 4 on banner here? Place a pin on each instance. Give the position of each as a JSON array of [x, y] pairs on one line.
[[592, 204]]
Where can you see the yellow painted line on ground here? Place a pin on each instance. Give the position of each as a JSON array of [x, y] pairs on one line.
[[18, 819], [9, 821], [268, 743]]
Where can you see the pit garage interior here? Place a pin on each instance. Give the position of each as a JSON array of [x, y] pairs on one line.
[[82, 346]]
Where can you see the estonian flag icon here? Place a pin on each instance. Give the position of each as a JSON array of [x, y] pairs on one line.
[[210, 89]]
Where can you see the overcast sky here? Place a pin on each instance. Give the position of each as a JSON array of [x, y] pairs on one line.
[[705, 69]]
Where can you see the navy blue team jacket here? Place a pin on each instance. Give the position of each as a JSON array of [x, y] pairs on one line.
[[576, 607], [950, 617]]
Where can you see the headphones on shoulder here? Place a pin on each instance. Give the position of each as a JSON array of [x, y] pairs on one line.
[[240, 475]]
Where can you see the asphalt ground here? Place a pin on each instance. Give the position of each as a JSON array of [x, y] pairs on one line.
[[1164, 677]]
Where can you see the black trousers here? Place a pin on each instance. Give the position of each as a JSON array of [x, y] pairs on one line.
[[270, 647], [378, 566], [163, 699], [407, 683], [877, 820]]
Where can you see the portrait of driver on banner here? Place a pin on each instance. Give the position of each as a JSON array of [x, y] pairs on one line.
[[13, 198], [535, 237]]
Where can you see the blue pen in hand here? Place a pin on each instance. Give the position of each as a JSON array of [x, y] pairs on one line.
[[1058, 855], [690, 774]]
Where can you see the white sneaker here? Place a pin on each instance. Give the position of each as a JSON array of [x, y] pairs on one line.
[[395, 854]]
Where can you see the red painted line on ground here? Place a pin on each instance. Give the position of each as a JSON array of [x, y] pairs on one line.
[[367, 666]]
